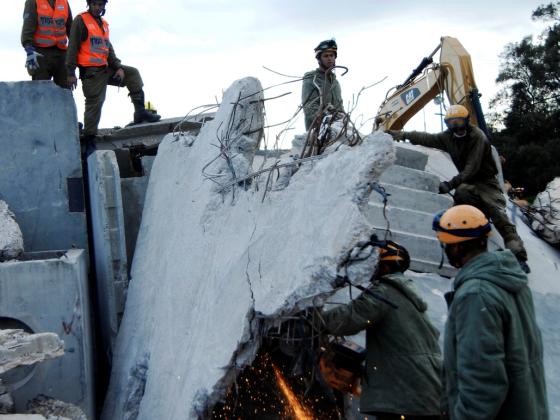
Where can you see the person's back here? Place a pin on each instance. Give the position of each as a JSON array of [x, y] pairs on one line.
[[493, 353], [513, 387], [406, 359], [403, 360]]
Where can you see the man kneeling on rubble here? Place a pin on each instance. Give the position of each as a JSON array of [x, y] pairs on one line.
[[403, 361], [476, 184]]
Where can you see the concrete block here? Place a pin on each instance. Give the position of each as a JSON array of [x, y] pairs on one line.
[[11, 239], [403, 219], [19, 348], [410, 158], [109, 242], [409, 198], [41, 176], [48, 292], [133, 195], [410, 178], [147, 163]]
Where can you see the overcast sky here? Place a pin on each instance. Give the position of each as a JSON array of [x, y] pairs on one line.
[[189, 51]]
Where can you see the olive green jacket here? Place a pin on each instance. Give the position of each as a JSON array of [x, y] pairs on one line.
[[472, 154], [313, 88], [79, 34], [403, 361], [493, 348], [30, 22]]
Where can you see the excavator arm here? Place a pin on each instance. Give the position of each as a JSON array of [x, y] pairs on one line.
[[452, 75]]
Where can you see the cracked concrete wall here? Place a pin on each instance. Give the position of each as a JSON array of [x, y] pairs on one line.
[[51, 294], [41, 172], [206, 262]]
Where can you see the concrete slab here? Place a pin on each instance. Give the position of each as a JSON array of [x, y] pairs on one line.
[[133, 195], [410, 158], [410, 198], [410, 178], [50, 294], [403, 219], [41, 176], [108, 230], [149, 134], [226, 260]]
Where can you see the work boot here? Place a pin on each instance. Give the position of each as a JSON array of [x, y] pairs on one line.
[[141, 114]]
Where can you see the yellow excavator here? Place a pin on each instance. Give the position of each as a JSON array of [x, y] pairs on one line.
[[452, 75]]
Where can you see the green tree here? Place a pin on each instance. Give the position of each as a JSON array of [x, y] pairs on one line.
[[530, 76]]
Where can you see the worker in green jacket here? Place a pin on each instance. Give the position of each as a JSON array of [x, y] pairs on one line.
[[493, 352], [44, 36], [321, 91], [403, 358], [91, 50], [477, 183]]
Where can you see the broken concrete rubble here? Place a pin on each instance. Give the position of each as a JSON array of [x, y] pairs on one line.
[[18, 348], [11, 239], [41, 171], [207, 262], [545, 217], [49, 292], [55, 409]]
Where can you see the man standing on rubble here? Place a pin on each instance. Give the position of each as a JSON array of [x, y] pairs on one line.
[[493, 353], [44, 36], [403, 360], [321, 91], [477, 183], [91, 51]]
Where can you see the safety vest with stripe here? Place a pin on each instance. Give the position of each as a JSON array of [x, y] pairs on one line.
[[95, 49], [51, 24]]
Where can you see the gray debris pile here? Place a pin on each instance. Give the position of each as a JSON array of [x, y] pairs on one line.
[[55, 409], [236, 251], [545, 220], [19, 348], [11, 239]]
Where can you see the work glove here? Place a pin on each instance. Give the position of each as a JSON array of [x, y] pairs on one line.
[[31, 62], [444, 187], [397, 135], [72, 81]]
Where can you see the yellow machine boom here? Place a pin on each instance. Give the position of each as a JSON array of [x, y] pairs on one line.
[[452, 75]]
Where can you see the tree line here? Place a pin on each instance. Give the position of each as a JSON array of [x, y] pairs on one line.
[[529, 103]]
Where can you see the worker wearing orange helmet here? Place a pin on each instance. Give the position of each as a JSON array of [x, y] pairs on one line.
[[403, 358], [476, 183], [493, 352]]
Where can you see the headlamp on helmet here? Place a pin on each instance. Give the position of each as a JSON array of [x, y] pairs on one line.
[[329, 45], [394, 253]]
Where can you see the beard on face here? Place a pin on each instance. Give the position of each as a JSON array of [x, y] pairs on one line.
[[453, 255]]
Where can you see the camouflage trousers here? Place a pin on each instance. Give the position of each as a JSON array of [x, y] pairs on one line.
[[488, 197], [94, 85], [51, 66]]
